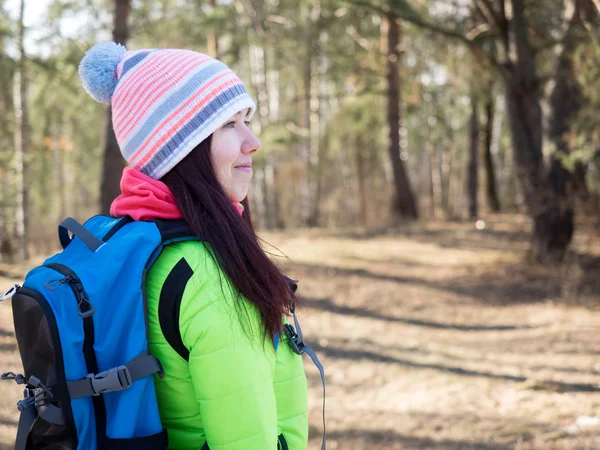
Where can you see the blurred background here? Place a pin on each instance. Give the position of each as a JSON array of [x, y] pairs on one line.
[[431, 169]]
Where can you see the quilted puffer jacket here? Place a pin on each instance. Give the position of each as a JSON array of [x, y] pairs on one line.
[[225, 387]]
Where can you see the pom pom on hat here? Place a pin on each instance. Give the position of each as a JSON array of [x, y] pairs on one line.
[[98, 70]]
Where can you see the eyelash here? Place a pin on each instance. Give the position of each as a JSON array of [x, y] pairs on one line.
[[227, 125]]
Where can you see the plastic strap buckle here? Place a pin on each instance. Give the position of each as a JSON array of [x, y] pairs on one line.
[[290, 332], [9, 293], [27, 401], [112, 380]]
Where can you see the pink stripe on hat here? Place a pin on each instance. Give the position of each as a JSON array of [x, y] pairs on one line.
[[165, 135], [157, 90], [135, 83], [126, 94]]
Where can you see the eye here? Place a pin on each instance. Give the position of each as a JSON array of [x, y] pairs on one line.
[[247, 122], [229, 124]]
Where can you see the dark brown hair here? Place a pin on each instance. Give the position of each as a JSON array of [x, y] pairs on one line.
[[214, 219]]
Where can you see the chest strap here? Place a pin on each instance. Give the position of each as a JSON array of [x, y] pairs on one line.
[[296, 342]]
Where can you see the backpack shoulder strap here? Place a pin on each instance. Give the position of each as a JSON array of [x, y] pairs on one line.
[[296, 341], [169, 304], [172, 230]]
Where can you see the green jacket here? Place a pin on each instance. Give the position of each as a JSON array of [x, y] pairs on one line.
[[236, 392]]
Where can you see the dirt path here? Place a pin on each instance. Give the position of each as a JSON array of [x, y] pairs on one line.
[[435, 336]]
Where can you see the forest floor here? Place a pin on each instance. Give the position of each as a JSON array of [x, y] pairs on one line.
[[433, 336]]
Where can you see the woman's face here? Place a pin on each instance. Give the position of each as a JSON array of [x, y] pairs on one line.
[[231, 152]]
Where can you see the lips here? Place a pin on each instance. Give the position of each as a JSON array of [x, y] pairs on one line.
[[244, 168]]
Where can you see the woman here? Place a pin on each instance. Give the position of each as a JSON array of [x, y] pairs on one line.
[[217, 305]]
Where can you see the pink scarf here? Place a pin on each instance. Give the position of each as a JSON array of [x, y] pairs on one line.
[[144, 198]]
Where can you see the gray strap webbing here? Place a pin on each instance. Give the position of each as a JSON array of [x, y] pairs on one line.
[[310, 352], [78, 230], [115, 379], [52, 414], [143, 365], [28, 416], [298, 328]]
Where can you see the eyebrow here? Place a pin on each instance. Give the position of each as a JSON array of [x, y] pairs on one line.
[[238, 114]]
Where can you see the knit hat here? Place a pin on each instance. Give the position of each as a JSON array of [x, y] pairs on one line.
[[164, 101]]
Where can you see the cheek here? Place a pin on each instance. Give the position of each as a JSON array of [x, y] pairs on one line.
[[222, 162], [221, 165]]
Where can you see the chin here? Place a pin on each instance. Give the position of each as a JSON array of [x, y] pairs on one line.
[[240, 195], [237, 197]]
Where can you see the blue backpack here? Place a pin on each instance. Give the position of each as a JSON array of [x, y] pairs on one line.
[[81, 326]]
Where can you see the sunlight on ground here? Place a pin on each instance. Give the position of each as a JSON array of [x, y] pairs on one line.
[[435, 336]]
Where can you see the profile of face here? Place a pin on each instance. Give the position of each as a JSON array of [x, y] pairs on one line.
[[231, 150]]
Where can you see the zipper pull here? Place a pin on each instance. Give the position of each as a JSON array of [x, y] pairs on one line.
[[83, 299], [49, 284], [19, 379], [9, 293]]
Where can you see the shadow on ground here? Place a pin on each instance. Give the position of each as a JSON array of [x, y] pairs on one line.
[[503, 284], [355, 354], [369, 438], [326, 304]]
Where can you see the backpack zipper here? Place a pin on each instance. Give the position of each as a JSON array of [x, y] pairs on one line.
[[85, 309], [84, 306], [60, 390]]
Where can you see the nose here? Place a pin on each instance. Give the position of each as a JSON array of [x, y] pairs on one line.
[[251, 143]]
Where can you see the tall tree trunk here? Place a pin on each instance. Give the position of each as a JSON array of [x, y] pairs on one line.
[[404, 202], [362, 170], [446, 166], [315, 126], [21, 141], [552, 217], [565, 102], [429, 152], [265, 91], [432, 178], [7, 141], [213, 40], [271, 195], [260, 197], [113, 161], [6, 250], [259, 58], [304, 151], [309, 148], [441, 176], [473, 169], [488, 158], [259, 213], [59, 168], [349, 200]]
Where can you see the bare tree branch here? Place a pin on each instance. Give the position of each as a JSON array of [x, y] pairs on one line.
[[409, 14], [478, 31], [503, 25], [355, 35], [487, 12]]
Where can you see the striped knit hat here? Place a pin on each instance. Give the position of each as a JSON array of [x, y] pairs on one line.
[[164, 102]]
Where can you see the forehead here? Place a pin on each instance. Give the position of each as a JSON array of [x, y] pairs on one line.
[[244, 112]]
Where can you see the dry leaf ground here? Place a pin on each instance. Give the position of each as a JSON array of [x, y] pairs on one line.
[[434, 336]]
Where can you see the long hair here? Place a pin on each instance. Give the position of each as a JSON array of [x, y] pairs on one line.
[[214, 219]]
